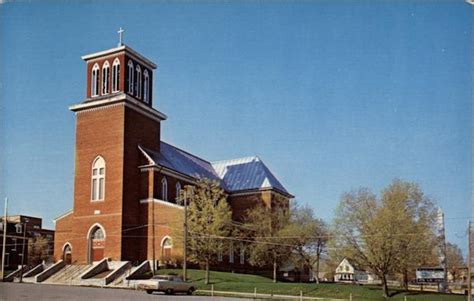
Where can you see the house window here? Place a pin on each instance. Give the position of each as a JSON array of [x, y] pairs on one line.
[[98, 179], [146, 86], [231, 253], [115, 75], [164, 189], [95, 80], [138, 80], [105, 78], [242, 254], [219, 253], [14, 244], [18, 228], [131, 73], [178, 191]]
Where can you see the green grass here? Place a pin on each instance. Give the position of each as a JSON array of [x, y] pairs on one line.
[[246, 283]]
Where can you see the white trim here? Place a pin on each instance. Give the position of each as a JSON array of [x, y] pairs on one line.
[[138, 56], [150, 160], [92, 227], [163, 240], [158, 201], [63, 215], [139, 106]]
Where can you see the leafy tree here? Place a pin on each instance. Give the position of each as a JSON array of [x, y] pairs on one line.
[[39, 250], [308, 235], [416, 214], [270, 245], [454, 259], [209, 222], [387, 235]]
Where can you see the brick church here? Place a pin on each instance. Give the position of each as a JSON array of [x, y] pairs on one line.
[[127, 179]]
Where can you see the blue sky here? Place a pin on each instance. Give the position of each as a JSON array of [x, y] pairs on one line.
[[332, 95]]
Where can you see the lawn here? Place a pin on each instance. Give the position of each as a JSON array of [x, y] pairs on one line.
[[247, 283]]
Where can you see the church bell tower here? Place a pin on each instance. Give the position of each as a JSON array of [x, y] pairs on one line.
[[114, 119]]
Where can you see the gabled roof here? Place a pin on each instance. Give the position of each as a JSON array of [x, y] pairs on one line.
[[237, 175], [181, 161], [249, 173]]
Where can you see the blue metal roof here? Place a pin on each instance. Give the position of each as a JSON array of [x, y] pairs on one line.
[[235, 175], [183, 162], [248, 173]]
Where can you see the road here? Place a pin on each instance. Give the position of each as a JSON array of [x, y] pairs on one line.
[[35, 292]]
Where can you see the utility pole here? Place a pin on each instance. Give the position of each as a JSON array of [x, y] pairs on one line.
[[153, 239], [185, 248], [23, 251], [5, 226], [469, 263]]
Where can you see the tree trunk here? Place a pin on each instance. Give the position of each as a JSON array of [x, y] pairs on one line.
[[206, 280], [384, 286], [405, 279], [274, 270], [317, 268]]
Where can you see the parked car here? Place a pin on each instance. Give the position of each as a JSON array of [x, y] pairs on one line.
[[167, 284]]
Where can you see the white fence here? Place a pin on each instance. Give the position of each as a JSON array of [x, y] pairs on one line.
[[257, 295]]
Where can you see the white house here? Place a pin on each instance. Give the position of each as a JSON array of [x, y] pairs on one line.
[[347, 272]]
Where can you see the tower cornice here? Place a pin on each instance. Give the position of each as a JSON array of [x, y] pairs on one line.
[[127, 49], [119, 98]]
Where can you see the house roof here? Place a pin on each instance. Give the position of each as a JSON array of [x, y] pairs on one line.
[[235, 175]]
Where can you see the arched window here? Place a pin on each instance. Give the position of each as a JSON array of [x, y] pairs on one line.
[[98, 179], [98, 234], [138, 79], [178, 191], [146, 87], [164, 189], [166, 247], [115, 75], [67, 253], [95, 80], [105, 78], [131, 72]]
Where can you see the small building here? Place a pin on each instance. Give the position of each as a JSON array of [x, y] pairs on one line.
[[349, 272], [19, 242]]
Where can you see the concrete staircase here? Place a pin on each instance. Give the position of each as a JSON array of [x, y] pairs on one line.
[[101, 273], [69, 275]]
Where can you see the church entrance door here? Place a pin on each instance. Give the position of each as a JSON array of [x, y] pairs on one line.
[[97, 244]]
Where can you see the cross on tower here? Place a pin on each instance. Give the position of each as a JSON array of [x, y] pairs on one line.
[[120, 32]]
